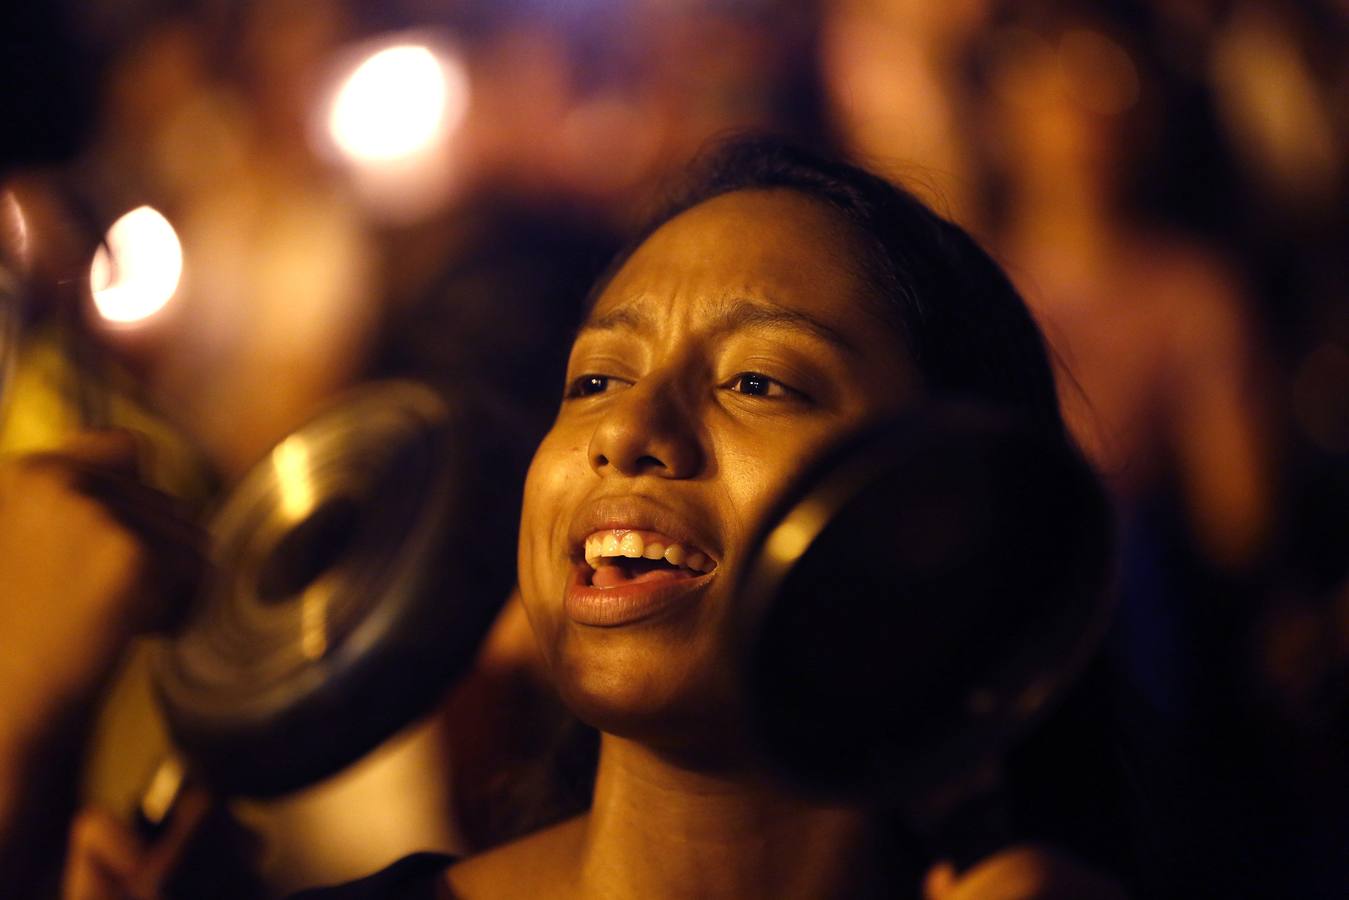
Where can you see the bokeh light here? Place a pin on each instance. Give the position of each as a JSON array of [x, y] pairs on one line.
[[137, 269], [398, 102], [391, 115]]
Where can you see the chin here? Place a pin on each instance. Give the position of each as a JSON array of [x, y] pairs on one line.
[[631, 690]]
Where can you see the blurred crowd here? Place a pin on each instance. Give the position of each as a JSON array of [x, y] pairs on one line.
[[1167, 182]]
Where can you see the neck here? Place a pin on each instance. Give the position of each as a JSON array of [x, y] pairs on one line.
[[658, 829]]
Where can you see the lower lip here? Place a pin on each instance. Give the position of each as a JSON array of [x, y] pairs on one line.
[[625, 604]]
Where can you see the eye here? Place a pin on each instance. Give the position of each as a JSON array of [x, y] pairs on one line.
[[588, 385], [757, 385]]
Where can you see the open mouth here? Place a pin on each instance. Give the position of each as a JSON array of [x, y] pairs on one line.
[[619, 557]]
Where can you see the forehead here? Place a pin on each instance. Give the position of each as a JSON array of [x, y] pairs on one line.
[[776, 246]]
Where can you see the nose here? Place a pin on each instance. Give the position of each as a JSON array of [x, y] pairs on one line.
[[647, 431]]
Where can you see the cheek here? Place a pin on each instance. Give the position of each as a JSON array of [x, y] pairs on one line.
[[552, 478], [757, 475]]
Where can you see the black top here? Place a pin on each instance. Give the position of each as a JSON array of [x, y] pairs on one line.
[[415, 877]]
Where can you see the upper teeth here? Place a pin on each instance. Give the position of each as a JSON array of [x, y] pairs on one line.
[[630, 544]]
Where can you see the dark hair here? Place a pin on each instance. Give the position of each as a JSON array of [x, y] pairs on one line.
[[967, 330]]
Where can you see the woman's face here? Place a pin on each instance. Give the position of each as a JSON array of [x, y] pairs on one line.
[[736, 344]]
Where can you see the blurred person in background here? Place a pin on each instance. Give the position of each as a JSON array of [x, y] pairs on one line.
[[1117, 200], [1279, 73], [892, 71], [1159, 365], [1160, 359]]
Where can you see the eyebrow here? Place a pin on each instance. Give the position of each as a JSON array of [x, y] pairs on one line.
[[734, 314]]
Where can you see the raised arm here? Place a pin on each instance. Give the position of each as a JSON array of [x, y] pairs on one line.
[[89, 556]]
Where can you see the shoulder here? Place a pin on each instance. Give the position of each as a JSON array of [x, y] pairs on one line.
[[544, 864]]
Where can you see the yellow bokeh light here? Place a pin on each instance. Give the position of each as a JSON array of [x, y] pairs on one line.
[[137, 269], [397, 103], [290, 459]]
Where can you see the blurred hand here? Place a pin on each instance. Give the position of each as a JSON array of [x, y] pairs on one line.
[[89, 556], [1021, 873], [106, 860]]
